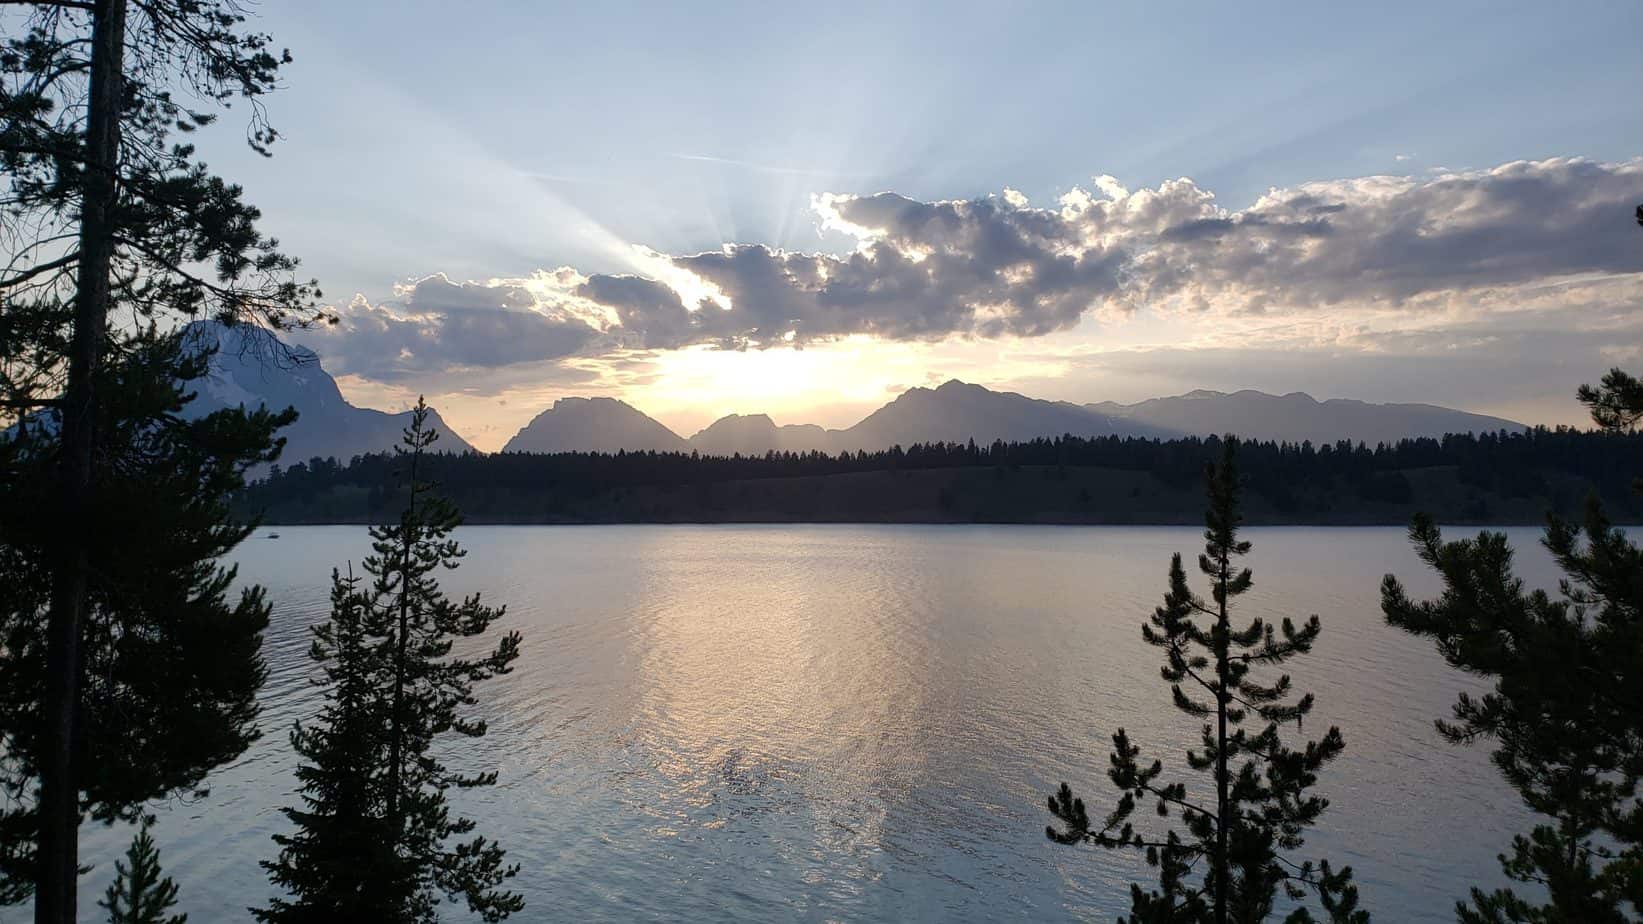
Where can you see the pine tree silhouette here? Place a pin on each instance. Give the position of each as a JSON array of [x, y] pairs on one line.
[[110, 218], [374, 837], [1231, 860], [1566, 710], [171, 637], [139, 893]]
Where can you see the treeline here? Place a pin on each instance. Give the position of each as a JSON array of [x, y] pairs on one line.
[[1555, 467]]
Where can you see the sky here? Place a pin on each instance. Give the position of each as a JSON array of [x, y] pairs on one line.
[[802, 211]]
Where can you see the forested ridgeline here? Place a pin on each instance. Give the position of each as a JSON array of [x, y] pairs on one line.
[[1485, 478]]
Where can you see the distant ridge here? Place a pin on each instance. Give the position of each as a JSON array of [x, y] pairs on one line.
[[954, 412], [252, 367], [1298, 417], [594, 425], [756, 434], [957, 412]]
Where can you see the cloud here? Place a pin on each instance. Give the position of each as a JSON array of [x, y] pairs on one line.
[[435, 325], [1388, 241], [924, 271], [997, 266]]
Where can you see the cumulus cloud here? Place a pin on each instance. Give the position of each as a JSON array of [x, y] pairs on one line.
[[1389, 240], [999, 266]]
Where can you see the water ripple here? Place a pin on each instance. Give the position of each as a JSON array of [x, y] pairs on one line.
[[857, 723]]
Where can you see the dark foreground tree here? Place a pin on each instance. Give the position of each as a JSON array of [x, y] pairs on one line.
[[1566, 708], [341, 861], [1617, 402], [375, 838], [103, 208], [1234, 856], [140, 894], [170, 653]]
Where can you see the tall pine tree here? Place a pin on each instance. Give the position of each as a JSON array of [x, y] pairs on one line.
[[104, 208], [375, 837], [1566, 708], [140, 893], [1232, 858], [170, 651]]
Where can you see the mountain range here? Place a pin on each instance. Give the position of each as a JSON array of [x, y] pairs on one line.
[[954, 412], [958, 411], [252, 367]]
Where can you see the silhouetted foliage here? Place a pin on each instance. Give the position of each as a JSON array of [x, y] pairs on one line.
[[1566, 708], [170, 653], [171, 238], [1232, 860], [104, 208], [341, 861], [374, 837], [140, 894], [1617, 403]]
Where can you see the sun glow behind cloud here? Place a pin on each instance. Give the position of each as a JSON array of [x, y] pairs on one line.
[[836, 384], [694, 291], [693, 387]]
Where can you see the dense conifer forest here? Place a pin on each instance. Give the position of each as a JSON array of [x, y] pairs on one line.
[[1484, 478]]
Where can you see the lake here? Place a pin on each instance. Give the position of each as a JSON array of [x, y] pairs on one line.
[[861, 723]]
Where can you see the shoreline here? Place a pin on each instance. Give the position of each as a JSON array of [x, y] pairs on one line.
[[1344, 523]]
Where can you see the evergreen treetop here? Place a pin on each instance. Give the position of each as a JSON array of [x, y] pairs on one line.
[[139, 893]]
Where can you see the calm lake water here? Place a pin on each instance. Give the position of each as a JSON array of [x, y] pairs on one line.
[[860, 723]]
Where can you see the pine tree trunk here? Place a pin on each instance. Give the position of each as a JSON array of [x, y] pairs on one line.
[[1223, 631], [396, 731], [396, 735], [58, 858]]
